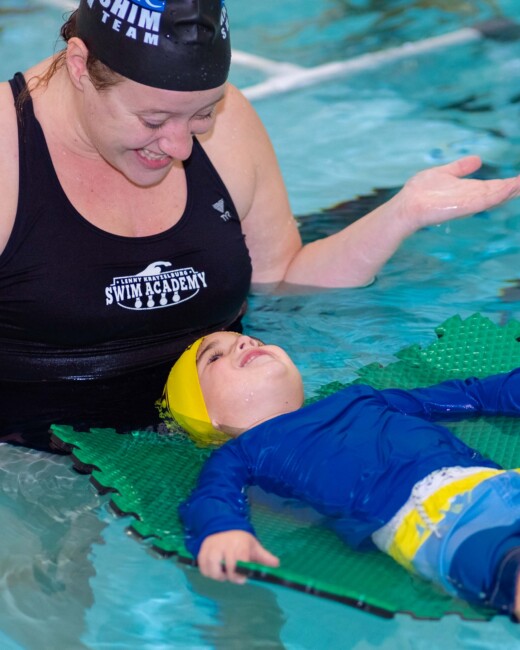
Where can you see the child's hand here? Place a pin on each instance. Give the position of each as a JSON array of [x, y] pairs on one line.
[[220, 553]]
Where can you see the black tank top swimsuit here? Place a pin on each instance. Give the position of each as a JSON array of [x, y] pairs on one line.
[[91, 322]]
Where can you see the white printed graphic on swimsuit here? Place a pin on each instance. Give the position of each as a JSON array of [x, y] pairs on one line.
[[219, 206], [156, 287], [140, 19]]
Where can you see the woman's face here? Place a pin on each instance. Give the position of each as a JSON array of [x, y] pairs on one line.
[[141, 131], [245, 382]]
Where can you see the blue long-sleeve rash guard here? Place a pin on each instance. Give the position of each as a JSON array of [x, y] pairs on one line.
[[353, 456]]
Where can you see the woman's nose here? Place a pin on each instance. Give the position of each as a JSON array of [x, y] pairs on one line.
[[177, 143]]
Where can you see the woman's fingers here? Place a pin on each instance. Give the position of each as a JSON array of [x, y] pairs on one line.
[[462, 166], [442, 193]]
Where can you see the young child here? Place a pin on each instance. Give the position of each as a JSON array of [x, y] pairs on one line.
[[373, 461]]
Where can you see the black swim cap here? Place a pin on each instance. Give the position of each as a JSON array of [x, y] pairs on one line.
[[170, 44]]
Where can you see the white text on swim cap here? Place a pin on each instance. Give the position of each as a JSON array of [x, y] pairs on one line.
[[135, 19]]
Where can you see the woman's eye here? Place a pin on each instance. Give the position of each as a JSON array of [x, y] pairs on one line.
[[206, 116], [214, 357], [150, 125]]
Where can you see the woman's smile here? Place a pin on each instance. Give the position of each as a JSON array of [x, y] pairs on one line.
[[153, 160]]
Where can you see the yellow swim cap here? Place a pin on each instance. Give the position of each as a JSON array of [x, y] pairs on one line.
[[185, 402]]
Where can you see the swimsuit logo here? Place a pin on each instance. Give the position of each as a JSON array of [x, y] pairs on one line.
[[154, 5], [156, 287], [219, 206], [136, 19]]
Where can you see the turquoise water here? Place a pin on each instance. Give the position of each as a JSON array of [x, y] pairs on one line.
[[71, 577]]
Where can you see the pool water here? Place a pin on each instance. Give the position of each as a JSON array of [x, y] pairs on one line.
[[71, 576]]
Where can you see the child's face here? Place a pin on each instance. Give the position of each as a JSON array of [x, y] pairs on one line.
[[245, 382]]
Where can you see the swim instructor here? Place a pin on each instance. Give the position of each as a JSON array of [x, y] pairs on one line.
[[140, 197]]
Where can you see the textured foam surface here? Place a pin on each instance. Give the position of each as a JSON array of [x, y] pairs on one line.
[[151, 473]]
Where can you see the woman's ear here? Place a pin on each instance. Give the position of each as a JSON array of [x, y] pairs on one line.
[[76, 61]]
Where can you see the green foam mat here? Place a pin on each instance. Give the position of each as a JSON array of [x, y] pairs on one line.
[[150, 473]]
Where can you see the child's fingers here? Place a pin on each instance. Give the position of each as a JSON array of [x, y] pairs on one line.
[[219, 554], [220, 564], [253, 552], [261, 555], [230, 565], [211, 565]]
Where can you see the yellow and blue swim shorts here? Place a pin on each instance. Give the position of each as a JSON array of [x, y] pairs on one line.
[[460, 528]]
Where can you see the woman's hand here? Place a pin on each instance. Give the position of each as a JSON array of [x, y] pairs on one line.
[[219, 554], [441, 193], [353, 256]]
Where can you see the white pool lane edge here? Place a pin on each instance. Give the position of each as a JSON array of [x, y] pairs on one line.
[[284, 77]]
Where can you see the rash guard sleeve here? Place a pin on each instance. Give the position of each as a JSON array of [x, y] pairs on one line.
[[218, 503], [457, 399]]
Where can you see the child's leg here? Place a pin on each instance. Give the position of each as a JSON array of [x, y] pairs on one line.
[[465, 536], [487, 563], [506, 592], [517, 599]]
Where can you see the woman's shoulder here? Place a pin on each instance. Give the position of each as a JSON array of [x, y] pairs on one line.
[[238, 140], [236, 115], [7, 110]]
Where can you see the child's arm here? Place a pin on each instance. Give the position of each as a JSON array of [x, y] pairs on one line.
[[218, 503], [220, 553], [455, 399], [215, 516]]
